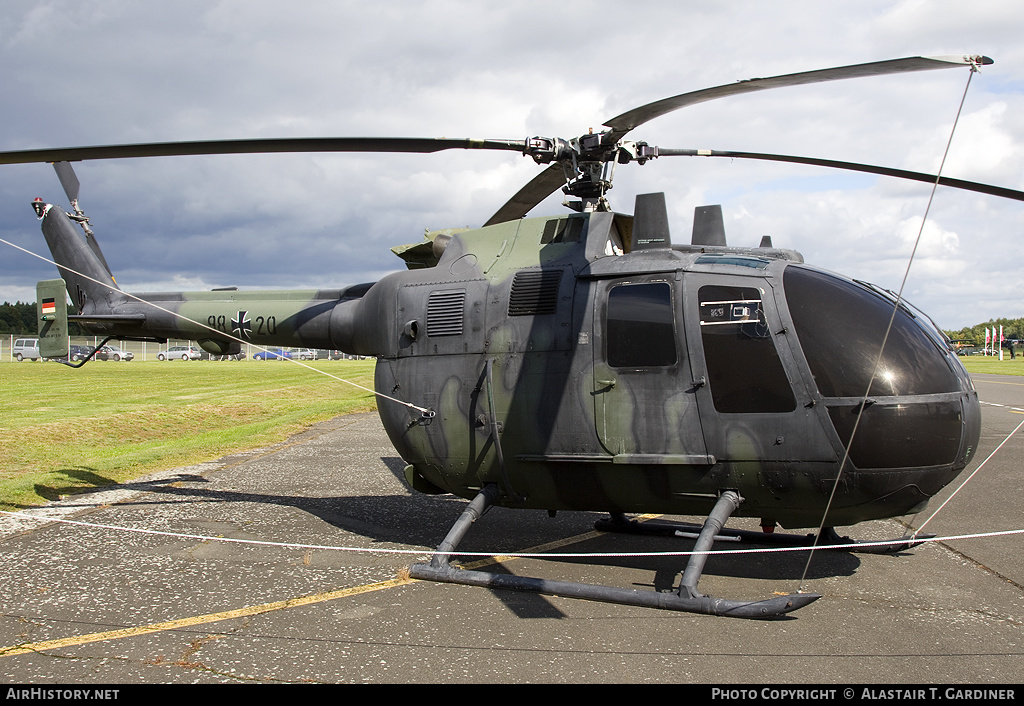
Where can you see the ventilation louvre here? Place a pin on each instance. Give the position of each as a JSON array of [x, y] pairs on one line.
[[445, 312], [534, 292]]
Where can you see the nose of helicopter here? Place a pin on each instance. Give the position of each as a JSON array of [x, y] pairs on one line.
[[906, 411], [905, 452]]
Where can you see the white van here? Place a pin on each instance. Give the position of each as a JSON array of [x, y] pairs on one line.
[[25, 348]]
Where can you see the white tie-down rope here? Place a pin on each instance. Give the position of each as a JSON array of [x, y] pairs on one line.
[[459, 552]]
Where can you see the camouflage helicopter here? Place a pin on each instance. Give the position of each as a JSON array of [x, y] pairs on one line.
[[586, 362]]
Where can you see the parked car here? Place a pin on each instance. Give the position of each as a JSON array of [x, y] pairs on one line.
[[324, 354], [303, 353], [181, 353], [75, 354], [230, 356], [25, 348], [271, 354], [113, 353]]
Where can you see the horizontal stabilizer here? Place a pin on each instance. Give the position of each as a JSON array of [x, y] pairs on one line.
[[137, 319]]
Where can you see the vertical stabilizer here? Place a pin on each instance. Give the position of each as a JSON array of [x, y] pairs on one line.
[[52, 316], [90, 284]]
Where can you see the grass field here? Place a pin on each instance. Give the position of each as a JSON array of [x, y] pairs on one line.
[[992, 364], [64, 430]]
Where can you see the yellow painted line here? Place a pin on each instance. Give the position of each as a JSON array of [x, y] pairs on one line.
[[197, 620], [267, 607]]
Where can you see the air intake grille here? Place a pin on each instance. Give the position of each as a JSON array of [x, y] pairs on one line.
[[445, 312], [534, 292]]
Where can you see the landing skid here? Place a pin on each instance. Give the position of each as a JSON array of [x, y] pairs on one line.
[[828, 537], [685, 599]]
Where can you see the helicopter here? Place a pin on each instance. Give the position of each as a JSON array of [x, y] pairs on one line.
[[586, 362]]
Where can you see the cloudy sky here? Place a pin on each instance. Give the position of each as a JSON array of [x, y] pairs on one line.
[[83, 72]]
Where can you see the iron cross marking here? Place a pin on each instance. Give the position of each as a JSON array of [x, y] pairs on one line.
[[241, 326]]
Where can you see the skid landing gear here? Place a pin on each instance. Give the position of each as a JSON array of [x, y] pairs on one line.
[[827, 538], [685, 599]]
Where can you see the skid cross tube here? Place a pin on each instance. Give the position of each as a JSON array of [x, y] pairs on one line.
[[828, 538], [441, 570]]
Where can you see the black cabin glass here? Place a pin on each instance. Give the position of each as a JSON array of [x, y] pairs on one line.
[[841, 325], [640, 330], [744, 370]]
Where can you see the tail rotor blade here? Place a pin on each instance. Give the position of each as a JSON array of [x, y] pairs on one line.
[[68, 180]]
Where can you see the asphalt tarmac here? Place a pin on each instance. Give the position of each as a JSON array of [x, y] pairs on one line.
[[95, 603]]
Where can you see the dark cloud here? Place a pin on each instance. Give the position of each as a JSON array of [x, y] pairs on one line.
[[91, 72]]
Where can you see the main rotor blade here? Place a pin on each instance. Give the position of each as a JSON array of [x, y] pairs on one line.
[[631, 119], [548, 181], [851, 166], [538, 189], [258, 146]]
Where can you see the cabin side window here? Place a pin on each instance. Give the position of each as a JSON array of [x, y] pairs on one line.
[[640, 332], [745, 371]]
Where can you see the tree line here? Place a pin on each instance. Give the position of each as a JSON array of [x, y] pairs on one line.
[[1013, 330], [20, 318]]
